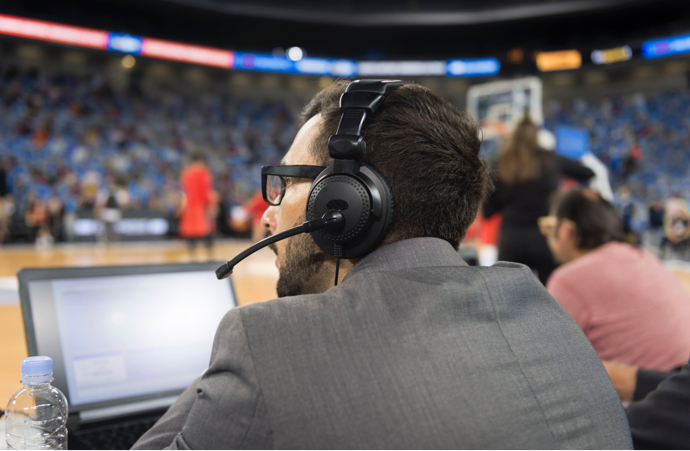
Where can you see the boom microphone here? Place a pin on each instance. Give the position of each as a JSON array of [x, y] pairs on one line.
[[332, 221]]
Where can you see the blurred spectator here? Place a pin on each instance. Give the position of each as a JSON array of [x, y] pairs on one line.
[[68, 135], [629, 306], [55, 212], [641, 138], [4, 190], [626, 210], [676, 228], [255, 208], [527, 176], [655, 232], [111, 211], [197, 222], [37, 218]]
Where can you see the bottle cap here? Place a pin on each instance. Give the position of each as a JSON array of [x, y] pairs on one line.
[[37, 369]]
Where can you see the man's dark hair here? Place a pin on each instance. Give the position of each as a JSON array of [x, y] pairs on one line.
[[428, 152], [197, 157], [596, 220]]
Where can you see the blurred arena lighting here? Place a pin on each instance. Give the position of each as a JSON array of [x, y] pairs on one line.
[[295, 60], [561, 60], [516, 56], [263, 63], [295, 53], [52, 32], [614, 55], [124, 43], [666, 46], [187, 53], [473, 67], [370, 68], [310, 66], [128, 61]]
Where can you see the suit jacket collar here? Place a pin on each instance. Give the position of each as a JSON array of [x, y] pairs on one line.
[[412, 253]]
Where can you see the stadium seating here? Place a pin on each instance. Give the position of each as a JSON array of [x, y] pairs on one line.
[[643, 140], [70, 137]]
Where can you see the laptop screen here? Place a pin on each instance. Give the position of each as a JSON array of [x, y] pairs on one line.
[[127, 336]]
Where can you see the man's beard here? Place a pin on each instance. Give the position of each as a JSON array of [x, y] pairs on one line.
[[301, 267]]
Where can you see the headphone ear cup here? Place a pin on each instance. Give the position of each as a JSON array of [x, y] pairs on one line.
[[380, 225], [366, 202]]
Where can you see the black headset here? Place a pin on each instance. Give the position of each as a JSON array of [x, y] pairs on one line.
[[358, 191], [350, 205]]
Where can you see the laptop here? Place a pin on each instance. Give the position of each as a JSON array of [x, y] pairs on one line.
[[125, 340]]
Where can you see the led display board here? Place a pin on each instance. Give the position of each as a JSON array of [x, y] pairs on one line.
[[52, 32], [177, 51], [264, 63], [472, 67], [561, 60], [401, 68], [187, 53], [614, 55], [118, 42], [323, 66], [666, 47], [308, 66]]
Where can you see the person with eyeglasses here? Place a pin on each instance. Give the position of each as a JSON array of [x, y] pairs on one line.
[[629, 306], [407, 346]]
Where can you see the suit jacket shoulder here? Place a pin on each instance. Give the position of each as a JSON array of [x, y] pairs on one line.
[[409, 345]]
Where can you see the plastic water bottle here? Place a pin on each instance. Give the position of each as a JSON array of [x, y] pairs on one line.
[[36, 416]]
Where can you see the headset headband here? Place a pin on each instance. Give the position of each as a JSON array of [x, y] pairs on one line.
[[361, 97]]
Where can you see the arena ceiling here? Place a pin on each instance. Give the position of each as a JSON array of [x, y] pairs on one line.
[[367, 13], [376, 29]]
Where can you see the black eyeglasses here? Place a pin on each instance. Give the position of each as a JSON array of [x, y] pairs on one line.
[[273, 179]]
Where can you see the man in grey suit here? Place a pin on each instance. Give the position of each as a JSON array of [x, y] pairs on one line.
[[412, 348]]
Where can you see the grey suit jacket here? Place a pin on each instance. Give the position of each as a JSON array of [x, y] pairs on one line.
[[414, 349]]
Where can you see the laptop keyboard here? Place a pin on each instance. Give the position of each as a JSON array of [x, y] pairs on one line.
[[115, 436]]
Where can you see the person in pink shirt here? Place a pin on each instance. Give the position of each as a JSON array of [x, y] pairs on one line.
[[629, 306]]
